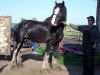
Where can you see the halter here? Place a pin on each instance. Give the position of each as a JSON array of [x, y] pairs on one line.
[[58, 13], [55, 14]]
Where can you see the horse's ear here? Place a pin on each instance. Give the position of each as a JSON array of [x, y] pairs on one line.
[[55, 3], [63, 3]]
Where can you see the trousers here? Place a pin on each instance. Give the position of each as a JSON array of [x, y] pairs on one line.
[[88, 61]]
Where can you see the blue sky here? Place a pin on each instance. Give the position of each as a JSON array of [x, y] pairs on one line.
[[77, 10]]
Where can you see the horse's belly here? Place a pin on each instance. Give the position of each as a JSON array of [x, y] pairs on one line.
[[38, 34]]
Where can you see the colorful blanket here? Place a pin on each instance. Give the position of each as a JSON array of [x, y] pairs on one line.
[[66, 48]]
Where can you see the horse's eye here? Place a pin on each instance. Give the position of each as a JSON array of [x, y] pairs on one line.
[[61, 10]]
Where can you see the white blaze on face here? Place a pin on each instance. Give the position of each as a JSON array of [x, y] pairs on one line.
[[54, 16]]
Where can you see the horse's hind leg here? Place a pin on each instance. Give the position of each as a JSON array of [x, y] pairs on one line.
[[15, 61], [19, 60]]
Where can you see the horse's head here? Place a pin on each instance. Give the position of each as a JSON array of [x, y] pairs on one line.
[[59, 13]]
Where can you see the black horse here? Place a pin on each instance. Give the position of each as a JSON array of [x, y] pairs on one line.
[[49, 31]]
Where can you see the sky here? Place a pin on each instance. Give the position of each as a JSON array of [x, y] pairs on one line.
[[77, 10]]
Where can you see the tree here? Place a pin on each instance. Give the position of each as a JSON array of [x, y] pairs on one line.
[[34, 19], [98, 15], [98, 21]]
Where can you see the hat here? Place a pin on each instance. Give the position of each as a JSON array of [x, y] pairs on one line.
[[91, 18]]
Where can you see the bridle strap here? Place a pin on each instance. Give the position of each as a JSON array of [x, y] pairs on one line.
[[54, 14]]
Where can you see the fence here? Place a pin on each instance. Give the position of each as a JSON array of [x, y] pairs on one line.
[[72, 36]]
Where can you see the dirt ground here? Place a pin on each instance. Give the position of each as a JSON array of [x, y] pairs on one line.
[[32, 63]]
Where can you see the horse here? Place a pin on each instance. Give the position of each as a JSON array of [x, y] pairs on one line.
[[49, 31]]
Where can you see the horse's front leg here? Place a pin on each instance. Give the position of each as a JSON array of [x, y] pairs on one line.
[[46, 63], [55, 64]]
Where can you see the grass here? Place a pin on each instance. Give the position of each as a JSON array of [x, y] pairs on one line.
[[40, 50], [70, 58], [97, 61], [72, 32]]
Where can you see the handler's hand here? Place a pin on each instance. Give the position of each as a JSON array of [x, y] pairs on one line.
[[65, 23]]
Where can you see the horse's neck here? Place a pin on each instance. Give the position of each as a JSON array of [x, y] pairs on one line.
[[56, 28], [48, 20], [53, 29]]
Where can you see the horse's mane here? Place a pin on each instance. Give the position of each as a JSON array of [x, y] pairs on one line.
[[48, 19], [20, 25]]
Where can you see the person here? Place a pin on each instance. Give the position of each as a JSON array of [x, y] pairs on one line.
[[91, 35]]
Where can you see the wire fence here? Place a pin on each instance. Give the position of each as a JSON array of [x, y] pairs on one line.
[[72, 36]]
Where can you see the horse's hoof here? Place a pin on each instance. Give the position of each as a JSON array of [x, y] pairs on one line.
[[20, 64]]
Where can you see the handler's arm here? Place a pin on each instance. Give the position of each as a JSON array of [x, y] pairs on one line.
[[71, 25]]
